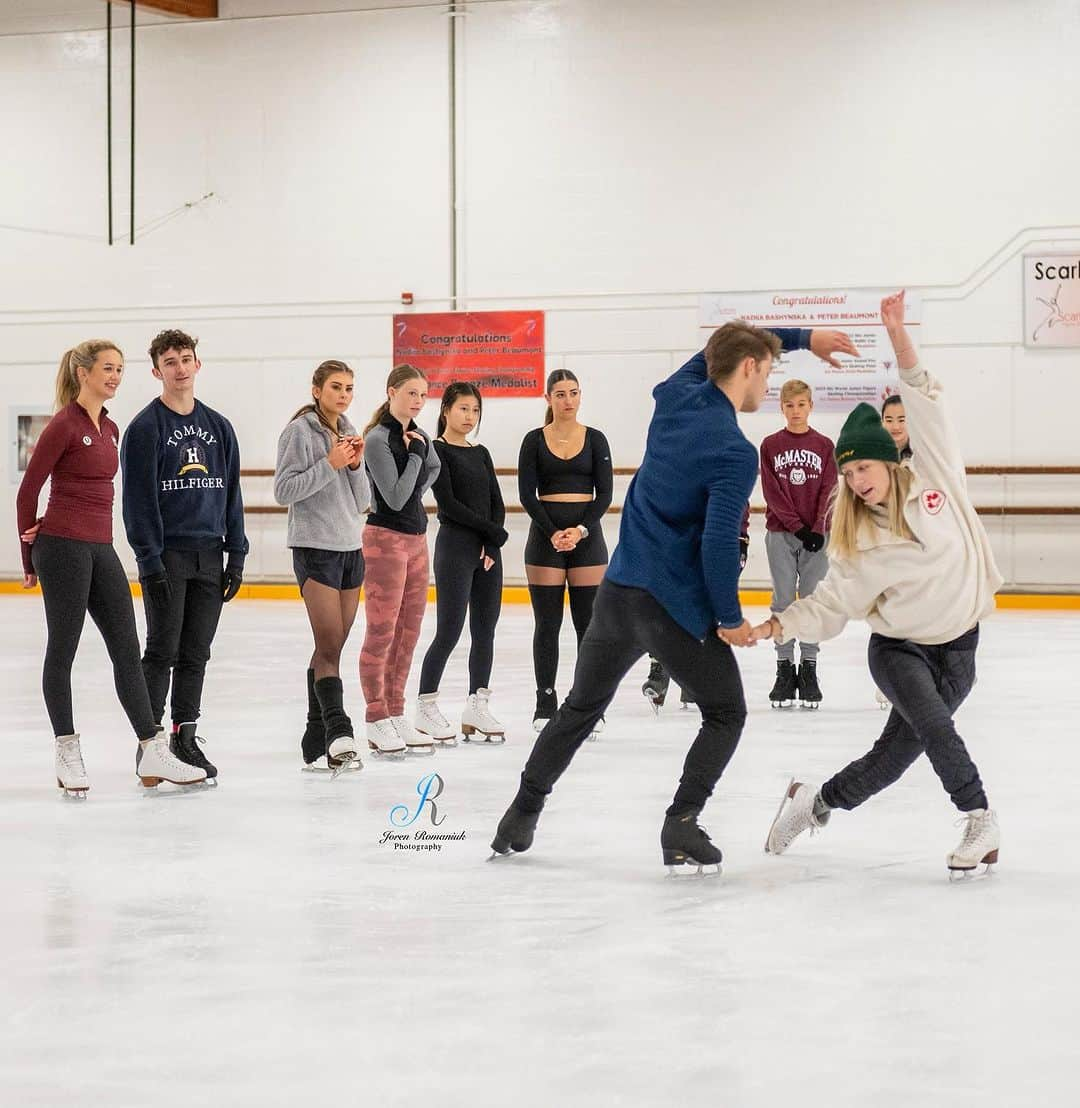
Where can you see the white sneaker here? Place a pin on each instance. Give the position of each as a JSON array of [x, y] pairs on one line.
[[415, 743], [70, 771], [478, 725], [430, 720], [155, 763], [383, 738], [794, 816], [978, 844]]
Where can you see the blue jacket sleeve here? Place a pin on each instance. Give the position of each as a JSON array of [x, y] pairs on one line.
[[696, 371], [236, 544], [724, 515], [142, 512]]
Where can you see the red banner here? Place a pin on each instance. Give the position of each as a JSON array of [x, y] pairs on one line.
[[502, 353]]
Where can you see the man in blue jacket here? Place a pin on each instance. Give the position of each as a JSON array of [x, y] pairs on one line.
[[183, 514], [671, 589]]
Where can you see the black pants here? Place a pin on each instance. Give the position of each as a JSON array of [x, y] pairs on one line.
[[462, 584], [926, 684], [179, 634], [627, 623], [79, 577]]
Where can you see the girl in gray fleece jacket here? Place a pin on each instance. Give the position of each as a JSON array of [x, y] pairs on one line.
[[320, 476]]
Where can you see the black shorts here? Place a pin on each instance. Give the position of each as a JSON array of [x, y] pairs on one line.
[[337, 569], [589, 552]]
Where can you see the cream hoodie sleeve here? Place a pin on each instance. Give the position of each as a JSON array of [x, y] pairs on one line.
[[935, 453], [848, 591]]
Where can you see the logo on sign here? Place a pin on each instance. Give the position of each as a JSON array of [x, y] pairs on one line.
[[933, 501]]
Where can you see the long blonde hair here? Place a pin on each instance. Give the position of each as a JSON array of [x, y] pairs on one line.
[[83, 356], [398, 376], [850, 513]]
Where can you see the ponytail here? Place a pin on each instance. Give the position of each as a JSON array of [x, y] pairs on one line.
[[398, 376], [83, 356]]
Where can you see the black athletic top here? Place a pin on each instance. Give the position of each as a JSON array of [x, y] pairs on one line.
[[541, 473], [467, 492]]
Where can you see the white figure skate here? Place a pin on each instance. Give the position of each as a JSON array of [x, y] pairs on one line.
[[794, 816], [478, 725], [430, 720], [978, 846], [415, 742], [155, 763], [70, 771], [383, 739]]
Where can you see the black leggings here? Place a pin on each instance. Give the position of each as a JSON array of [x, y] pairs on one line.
[[79, 577], [462, 584], [926, 684], [547, 605], [626, 624]]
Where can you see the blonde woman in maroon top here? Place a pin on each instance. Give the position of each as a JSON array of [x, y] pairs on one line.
[[69, 551]]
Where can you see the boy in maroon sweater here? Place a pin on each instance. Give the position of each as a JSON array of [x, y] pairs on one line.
[[798, 475]]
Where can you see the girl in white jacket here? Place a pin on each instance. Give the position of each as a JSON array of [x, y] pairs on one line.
[[909, 555]]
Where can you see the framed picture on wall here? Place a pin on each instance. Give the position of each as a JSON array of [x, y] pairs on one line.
[[26, 424]]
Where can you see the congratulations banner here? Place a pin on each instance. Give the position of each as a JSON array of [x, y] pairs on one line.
[[502, 353], [870, 377]]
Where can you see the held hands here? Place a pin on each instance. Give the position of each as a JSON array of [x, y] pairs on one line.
[[827, 343], [416, 443], [770, 629], [565, 541], [743, 635], [343, 453], [358, 451]]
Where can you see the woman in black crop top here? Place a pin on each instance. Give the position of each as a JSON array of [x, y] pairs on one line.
[[564, 481], [468, 569]]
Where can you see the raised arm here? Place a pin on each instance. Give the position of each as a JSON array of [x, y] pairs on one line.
[[933, 437]]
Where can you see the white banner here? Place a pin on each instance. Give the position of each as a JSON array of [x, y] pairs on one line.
[[1052, 299], [870, 377]]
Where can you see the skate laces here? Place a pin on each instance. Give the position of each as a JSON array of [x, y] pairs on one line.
[[71, 756], [434, 714], [973, 828]]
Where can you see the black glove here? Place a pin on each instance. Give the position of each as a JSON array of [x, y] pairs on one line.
[[231, 580], [744, 551], [811, 540], [156, 588]]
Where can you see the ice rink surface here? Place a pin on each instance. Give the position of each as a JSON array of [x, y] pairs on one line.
[[257, 945]]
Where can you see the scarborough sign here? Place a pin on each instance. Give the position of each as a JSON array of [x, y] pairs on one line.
[[1052, 299]]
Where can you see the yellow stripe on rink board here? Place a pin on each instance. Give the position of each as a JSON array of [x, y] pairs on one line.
[[519, 594]]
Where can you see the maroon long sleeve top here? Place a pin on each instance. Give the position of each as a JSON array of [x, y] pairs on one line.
[[798, 475], [82, 461]]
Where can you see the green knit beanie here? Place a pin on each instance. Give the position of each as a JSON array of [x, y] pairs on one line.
[[864, 436]]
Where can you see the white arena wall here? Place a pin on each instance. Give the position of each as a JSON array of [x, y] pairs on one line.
[[613, 160]]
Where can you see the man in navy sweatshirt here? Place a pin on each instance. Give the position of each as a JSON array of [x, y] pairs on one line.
[[184, 514], [671, 589]]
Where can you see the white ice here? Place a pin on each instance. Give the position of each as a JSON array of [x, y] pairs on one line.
[[256, 945]]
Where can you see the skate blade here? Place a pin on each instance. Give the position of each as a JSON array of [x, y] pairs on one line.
[[963, 876], [690, 868], [387, 755], [781, 704], [478, 739], [346, 765], [420, 751], [74, 794], [810, 705], [779, 811], [442, 744], [353, 765]]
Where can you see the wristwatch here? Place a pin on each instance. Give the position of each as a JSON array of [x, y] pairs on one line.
[[584, 530]]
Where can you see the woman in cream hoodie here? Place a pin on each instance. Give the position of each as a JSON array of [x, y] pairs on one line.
[[909, 555]]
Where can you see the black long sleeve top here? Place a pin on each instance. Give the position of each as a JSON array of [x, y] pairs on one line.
[[467, 492]]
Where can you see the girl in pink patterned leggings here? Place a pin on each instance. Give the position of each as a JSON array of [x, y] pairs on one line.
[[402, 466]]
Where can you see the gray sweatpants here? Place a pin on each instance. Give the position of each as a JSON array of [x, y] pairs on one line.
[[795, 572]]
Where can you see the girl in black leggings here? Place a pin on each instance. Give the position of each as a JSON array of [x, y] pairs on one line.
[[69, 550], [564, 481], [468, 568]]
